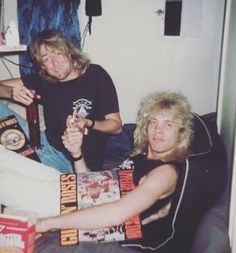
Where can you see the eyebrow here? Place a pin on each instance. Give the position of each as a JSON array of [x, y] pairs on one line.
[[170, 120], [166, 121], [43, 55]]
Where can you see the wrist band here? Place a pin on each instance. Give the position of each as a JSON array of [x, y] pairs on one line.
[[92, 125], [75, 159]]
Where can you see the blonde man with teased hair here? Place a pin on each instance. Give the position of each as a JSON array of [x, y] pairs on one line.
[[173, 103], [162, 141]]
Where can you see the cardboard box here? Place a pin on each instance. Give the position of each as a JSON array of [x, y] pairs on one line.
[[17, 233]]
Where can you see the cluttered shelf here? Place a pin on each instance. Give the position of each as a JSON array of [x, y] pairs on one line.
[[18, 48]]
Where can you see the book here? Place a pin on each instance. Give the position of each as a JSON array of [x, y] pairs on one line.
[[17, 232], [83, 190], [14, 138]]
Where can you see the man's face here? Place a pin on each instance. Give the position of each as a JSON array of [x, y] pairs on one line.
[[56, 64], [163, 135]]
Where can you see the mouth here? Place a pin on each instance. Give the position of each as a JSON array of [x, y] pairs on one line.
[[159, 139], [57, 70]]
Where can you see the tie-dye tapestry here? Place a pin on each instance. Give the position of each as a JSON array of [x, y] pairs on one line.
[[35, 15]]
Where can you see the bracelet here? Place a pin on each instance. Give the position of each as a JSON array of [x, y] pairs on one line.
[[75, 159], [92, 125]]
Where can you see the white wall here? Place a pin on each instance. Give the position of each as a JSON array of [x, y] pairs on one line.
[[127, 41]]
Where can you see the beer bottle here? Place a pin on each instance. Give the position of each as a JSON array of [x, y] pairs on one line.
[[32, 116]]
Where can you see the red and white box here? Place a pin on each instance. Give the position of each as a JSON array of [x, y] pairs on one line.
[[17, 233]]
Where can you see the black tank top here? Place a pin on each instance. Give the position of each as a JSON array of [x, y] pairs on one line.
[[157, 232]]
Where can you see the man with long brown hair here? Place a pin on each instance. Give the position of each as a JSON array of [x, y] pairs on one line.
[[67, 84]]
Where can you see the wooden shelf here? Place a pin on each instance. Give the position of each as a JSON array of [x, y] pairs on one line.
[[5, 48]]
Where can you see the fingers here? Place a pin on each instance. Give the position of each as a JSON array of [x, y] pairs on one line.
[[70, 121], [81, 124], [78, 122], [72, 139], [164, 211], [38, 235], [72, 135], [21, 94], [73, 120]]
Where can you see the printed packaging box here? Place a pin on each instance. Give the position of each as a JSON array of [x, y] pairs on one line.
[[17, 233]]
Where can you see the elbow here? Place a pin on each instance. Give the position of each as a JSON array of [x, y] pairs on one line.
[[118, 128]]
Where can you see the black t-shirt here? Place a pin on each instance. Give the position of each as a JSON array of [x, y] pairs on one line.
[[92, 95]]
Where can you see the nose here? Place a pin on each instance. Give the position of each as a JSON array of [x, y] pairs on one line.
[[158, 128], [54, 60]]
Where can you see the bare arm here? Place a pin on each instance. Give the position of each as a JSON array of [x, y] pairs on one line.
[[159, 183], [111, 124], [15, 90], [72, 140], [5, 91]]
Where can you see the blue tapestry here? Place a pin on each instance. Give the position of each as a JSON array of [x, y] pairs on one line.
[[35, 15]]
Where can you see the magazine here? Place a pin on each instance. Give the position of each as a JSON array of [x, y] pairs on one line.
[[14, 138], [93, 188]]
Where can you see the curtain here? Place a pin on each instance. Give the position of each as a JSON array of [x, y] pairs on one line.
[[35, 15]]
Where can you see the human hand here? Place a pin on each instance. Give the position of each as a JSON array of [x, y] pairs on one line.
[[38, 235], [23, 95], [164, 211], [79, 122], [72, 140]]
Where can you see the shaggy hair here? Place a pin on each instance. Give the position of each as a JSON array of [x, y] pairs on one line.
[[55, 40], [179, 108]]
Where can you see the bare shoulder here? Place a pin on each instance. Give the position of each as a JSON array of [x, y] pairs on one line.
[[165, 170], [162, 180]]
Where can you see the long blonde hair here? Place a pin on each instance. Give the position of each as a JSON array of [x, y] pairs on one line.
[[177, 105]]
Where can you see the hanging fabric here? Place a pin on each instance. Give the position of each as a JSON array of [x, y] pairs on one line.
[[34, 16]]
